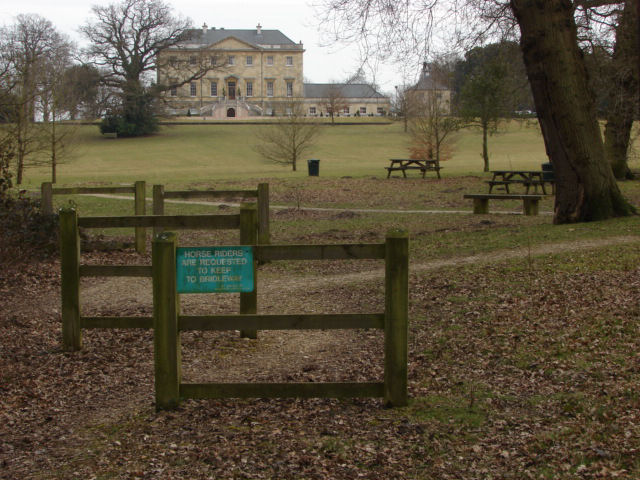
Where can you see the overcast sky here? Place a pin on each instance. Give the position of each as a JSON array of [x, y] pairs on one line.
[[295, 18]]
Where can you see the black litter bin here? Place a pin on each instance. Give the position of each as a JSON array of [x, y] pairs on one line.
[[314, 167], [547, 172]]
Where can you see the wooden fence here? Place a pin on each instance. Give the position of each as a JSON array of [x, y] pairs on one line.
[[47, 191], [168, 323], [72, 270], [261, 194]]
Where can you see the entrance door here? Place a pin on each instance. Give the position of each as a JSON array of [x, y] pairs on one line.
[[231, 112], [232, 90]]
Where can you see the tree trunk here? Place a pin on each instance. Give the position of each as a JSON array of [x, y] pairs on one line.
[[585, 186], [485, 145], [623, 94]]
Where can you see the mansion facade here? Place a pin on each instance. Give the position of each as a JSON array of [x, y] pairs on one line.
[[250, 73]]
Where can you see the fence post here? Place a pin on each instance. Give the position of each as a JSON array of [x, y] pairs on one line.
[[46, 198], [158, 205], [248, 236], [140, 205], [264, 235], [70, 279], [396, 318], [166, 337]]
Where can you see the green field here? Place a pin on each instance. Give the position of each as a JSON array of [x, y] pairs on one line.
[[182, 154]]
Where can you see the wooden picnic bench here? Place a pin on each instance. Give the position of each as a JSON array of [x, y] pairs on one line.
[[481, 201], [404, 164], [528, 178]]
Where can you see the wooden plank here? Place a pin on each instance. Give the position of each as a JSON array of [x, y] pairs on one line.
[[140, 205], [211, 194], [169, 221], [117, 322], [46, 198], [89, 190], [281, 390], [70, 279], [264, 235], [249, 236], [281, 322], [166, 336], [320, 252], [396, 318], [115, 270]]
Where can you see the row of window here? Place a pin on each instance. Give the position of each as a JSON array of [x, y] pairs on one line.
[[345, 111], [193, 89], [231, 60]]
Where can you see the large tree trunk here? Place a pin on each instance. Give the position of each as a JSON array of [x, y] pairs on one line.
[[585, 186], [623, 94]]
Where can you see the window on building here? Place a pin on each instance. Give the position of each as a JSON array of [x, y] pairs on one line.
[[249, 60], [193, 60], [249, 89], [363, 110], [289, 61], [269, 111], [231, 60], [193, 89], [269, 60], [214, 89], [173, 91], [312, 110], [345, 110], [214, 61], [380, 111], [288, 111], [289, 89], [269, 89]]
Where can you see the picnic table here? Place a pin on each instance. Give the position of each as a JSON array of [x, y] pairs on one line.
[[404, 164], [528, 178]]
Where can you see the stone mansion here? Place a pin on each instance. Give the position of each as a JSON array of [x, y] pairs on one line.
[[253, 73]]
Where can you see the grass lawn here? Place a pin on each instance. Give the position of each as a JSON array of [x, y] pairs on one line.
[[182, 154]]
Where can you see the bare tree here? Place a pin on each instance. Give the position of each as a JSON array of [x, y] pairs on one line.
[[585, 185], [289, 138], [432, 128], [126, 41], [30, 46], [335, 101]]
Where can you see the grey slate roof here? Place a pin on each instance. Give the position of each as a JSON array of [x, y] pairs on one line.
[[266, 37], [351, 90]]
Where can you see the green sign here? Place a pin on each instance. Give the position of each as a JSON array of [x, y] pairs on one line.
[[214, 269]]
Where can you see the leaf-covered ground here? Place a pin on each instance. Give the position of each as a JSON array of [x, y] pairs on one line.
[[520, 366]]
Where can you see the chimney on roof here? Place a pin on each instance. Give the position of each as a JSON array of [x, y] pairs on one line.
[[259, 29], [204, 28]]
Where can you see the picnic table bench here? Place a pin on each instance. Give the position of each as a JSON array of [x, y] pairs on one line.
[[404, 164], [528, 178], [481, 201]]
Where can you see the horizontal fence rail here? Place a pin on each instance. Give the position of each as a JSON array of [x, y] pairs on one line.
[[320, 252], [281, 390], [185, 194], [91, 190], [281, 322], [174, 221]]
